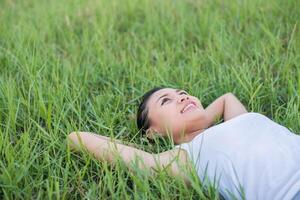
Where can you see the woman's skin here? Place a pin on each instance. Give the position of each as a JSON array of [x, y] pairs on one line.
[[165, 108], [165, 113]]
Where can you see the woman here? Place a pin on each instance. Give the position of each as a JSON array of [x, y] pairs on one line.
[[249, 155]]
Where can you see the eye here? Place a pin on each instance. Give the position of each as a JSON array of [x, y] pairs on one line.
[[183, 92], [164, 100]]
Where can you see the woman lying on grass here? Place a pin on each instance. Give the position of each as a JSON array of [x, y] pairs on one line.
[[249, 155]]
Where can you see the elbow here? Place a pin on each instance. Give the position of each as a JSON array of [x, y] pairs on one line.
[[73, 136], [229, 94], [73, 139]]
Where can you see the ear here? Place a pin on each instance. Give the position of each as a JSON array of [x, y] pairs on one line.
[[151, 132]]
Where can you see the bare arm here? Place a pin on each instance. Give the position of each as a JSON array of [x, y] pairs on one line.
[[107, 138], [106, 149], [226, 106]]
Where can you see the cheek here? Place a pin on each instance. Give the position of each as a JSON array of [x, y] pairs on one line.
[[175, 121], [169, 118]]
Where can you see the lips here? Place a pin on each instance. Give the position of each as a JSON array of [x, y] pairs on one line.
[[188, 106]]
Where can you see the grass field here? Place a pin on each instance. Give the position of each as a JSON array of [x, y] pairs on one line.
[[82, 65]]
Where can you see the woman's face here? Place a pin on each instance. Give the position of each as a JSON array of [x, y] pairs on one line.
[[173, 111]]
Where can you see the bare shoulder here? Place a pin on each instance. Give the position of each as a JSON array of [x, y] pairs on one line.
[[177, 162], [174, 157], [181, 153]]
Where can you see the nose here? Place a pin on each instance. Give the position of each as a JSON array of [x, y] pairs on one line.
[[183, 98]]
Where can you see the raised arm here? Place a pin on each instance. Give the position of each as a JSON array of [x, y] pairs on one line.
[[106, 149], [226, 106]]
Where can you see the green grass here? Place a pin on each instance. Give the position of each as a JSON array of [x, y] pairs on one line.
[[82, 65]]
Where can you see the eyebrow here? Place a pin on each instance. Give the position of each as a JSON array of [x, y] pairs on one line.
[[177, 90]]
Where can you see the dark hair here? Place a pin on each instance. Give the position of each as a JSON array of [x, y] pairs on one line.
[[142, 120]]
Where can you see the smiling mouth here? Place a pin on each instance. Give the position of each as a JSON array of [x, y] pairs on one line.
[[189, 107]]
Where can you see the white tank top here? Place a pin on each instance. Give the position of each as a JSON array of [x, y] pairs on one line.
[[249, 156]]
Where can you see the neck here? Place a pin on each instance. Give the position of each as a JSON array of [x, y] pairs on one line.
[[188, 137]]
